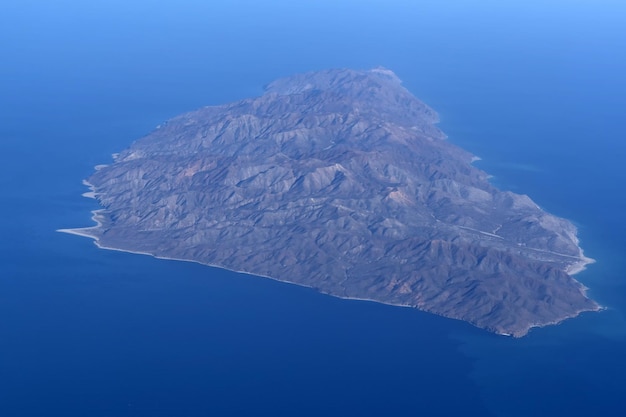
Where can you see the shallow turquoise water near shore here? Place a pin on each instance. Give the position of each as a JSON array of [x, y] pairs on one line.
[[537, 92]]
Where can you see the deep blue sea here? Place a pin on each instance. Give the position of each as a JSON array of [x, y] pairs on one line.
[[535, 88]]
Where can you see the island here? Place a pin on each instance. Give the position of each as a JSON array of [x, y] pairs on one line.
[[340, 180]]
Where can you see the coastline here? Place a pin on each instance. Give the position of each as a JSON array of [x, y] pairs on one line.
[[87, 231], [84, 232], [92, 191], [578, 265], [93, 232]]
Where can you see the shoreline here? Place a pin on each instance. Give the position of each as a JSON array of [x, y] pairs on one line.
[[92, 190], [95, 232], [92, 232], [86, 231], [516, 335]]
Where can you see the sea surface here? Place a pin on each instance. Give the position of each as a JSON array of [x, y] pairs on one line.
[[535, 88]]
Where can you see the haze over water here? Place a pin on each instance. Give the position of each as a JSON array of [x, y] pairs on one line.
[[537, 91]]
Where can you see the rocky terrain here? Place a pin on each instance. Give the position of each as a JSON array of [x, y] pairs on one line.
[[340, 180]]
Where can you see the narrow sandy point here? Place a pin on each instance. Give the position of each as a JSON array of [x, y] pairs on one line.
[[92, 232]]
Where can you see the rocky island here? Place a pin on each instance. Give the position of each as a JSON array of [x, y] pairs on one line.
[[340, 180]]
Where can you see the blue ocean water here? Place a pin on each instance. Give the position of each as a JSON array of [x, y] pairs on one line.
[[537, 90]]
